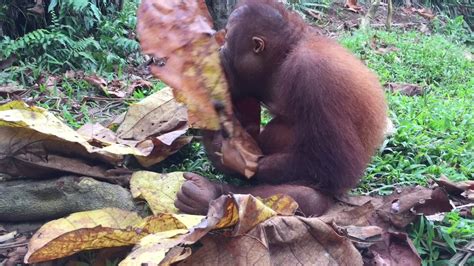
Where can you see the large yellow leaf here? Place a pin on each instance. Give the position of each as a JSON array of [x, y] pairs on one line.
[[151, 144], [159, 190], [103, 228], [20, 115]]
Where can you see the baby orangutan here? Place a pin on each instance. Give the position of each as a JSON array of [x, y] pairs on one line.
[[328, 108]]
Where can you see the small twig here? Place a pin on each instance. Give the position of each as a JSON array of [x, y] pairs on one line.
[[99, 98], [13, 245], [443, 245], [394, 25], [460, 256], [464, 206], [388, 186]]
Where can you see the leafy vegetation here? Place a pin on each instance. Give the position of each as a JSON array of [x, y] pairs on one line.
[[85, 35]]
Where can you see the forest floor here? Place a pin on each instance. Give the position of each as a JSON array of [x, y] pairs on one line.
[[424, 63]]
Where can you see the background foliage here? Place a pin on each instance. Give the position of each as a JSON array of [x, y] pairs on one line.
[[91, 35]]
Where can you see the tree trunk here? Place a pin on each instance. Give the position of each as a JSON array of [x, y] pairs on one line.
[[220, 11]]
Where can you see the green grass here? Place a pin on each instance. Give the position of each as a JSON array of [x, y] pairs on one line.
[[435, 131]]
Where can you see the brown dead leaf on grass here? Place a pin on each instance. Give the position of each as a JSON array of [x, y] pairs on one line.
[[405, 88], [394, 249], [117, 88], [380, 47], [392, 214], [290, 240], [455, 188], [425, 13], [352, 5], [11, 89], [180, 35], [157, 125], [96, 134]]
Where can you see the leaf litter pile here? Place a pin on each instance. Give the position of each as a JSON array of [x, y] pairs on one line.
[[99, 198]]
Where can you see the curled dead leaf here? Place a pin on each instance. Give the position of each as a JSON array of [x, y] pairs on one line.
[[455, 188], [180, 34]]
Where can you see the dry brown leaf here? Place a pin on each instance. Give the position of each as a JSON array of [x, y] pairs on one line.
[[405, 89], [139, 84], [155, 126], [97, 81], [97, 135], [380, 47], [28, 119], [400, 209], [242, 212], [152, 250], [346, 215], [83, 231], [363, 233], [454, 188], [179, 33], [395, 249], [182, 35], [10, 88], [162, 150], [15, 255], [116, 88], [386, 213], [469, 194], [288, 240], [35, 143], [425, 13], [253, 235], [352, 5], [7, 237], [155, 115]]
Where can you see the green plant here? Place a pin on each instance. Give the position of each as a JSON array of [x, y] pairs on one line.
[[437, 242], [87, 34], [455, 29], [454, 8]]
